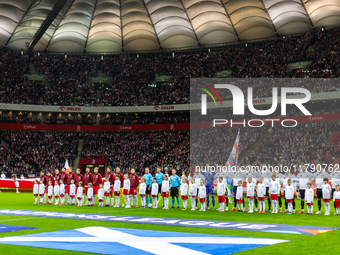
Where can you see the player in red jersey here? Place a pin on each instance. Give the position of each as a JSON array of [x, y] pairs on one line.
[[78, 177], [88, 178], [97, 179], [56, 175], [62, 175], [43, 178], [134, 182], [70, 176], [50, 178], [121, 178], [111, 180]]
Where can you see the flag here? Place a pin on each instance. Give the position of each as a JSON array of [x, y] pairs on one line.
[[66, 166], [232, 161]]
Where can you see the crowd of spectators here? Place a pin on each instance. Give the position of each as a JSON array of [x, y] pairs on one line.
[[139, 150], [38, 150], [68, 75], [305, 144]]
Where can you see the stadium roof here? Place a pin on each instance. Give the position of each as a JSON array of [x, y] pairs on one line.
[[132, 25]]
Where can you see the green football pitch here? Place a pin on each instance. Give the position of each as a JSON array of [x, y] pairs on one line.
[[299, 244]]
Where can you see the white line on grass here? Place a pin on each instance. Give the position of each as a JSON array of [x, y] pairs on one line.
[[26, 218]]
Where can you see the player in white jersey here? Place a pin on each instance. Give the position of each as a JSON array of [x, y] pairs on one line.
[[62, 192], [309, 196], [198, 179], [261, 195], [73, 192], [250, 194], [336, 199], [107, 187], [116, 190], [193, 193], [202, 194], [318, 177], [101, 195], [165, 192], [89, 195], [221, 188], [184, 192], [266, 174], [50, 193], [56, 192], [154, 193], [41, 191], [126, 191], [36, 191], [326, 195], [274, 190], [289, 195], [238, 175], [80, 194], [335, 180], [239, 196], [303, 179]]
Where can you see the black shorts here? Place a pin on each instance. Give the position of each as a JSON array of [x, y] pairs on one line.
[[267, 191], [302, 193], [174, 192], [159, 188], [148, 190], [319, 193]]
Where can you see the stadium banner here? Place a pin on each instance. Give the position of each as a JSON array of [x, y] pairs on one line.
[[23, 183], [10, 228], [260, 227], [156, 127], [156, 108]]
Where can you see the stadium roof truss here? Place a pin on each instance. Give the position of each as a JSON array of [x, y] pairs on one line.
[[135, 25]]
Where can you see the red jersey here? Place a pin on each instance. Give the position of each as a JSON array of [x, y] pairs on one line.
[[88, 177], [134, 180], [45, 181], [50, 178], [79, 178], [111, 177], [69, 177], [97, 179], [57, 177], [62, 176]]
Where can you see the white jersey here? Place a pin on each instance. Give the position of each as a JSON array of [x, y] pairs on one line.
[[41, 189], [261, 190], [336, 195], [335, 180], [239, 193], [3, 176], [250, 189], [309, 195], [116, 186], [154, 189], [36, 189], [107, 187], [126, 184], [184, 189], [202, 193], [326, 191], [165, 186], [89, 192], [266, 178], [62, 189], [56, 190], [319, 180], [73, 190], [303, 180], [221, 188], [192, 189], [50, 190], [274, 187], [80, 192], [101, 193], [289, 191], [142, 188]]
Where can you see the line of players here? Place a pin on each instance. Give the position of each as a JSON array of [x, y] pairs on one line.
[[151, 187]]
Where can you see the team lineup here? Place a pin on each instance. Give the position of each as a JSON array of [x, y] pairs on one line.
[[122, 190]]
